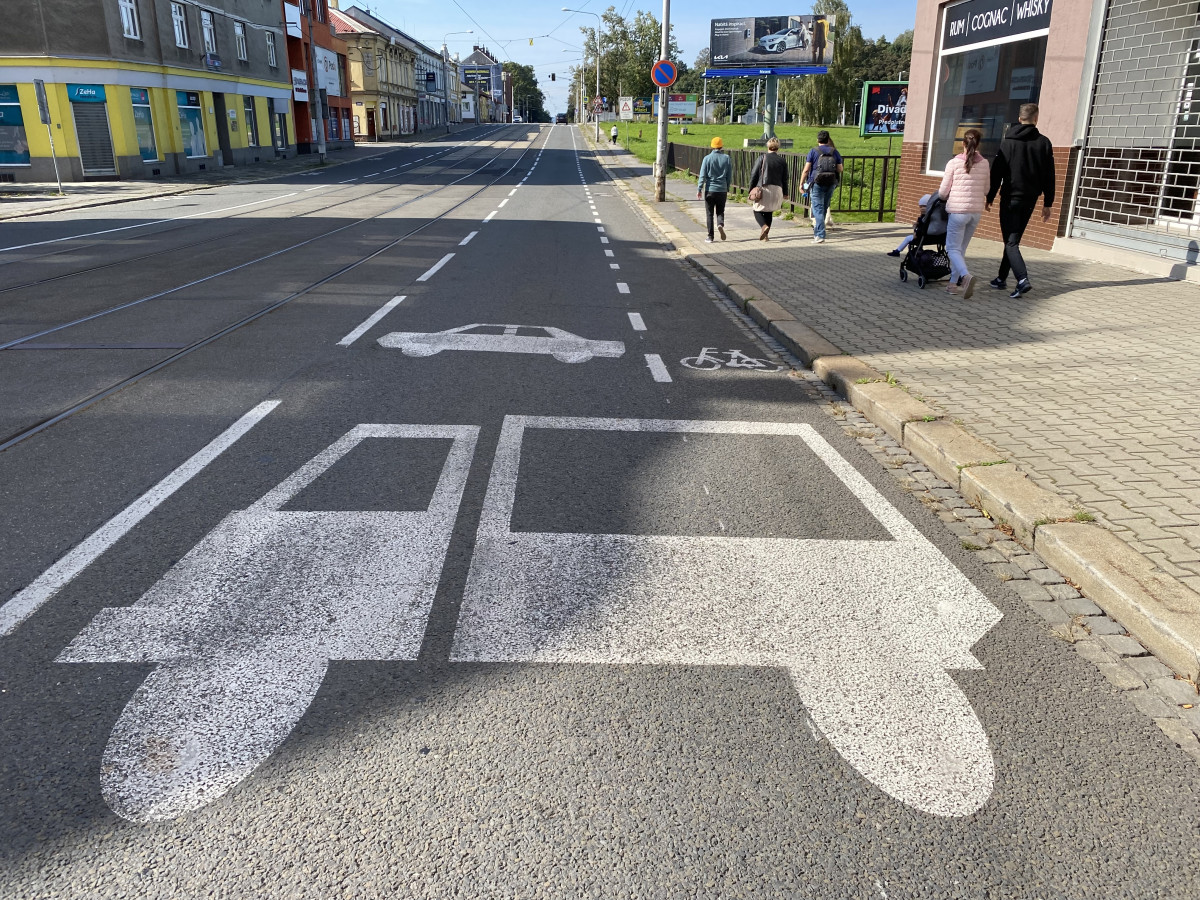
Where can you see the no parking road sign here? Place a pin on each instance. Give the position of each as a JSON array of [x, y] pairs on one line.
[[664, 73]]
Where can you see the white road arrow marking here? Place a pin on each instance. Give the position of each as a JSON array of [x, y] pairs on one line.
[[867, 629], [243, 626]]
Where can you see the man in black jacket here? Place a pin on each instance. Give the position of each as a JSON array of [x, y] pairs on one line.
[[1022, 171]]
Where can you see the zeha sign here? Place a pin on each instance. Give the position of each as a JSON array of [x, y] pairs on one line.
[[993, 21]]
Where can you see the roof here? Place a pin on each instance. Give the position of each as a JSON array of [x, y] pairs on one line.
[[374, 23], [345, 25]]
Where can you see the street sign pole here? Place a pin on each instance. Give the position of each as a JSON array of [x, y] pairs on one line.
[[772, 100], [660, 155], [44, 111]]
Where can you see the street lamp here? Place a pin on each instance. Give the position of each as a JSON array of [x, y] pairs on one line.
[[598, 24], [445, 82]]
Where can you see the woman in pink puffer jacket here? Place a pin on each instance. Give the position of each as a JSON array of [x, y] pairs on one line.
[[964, 188]]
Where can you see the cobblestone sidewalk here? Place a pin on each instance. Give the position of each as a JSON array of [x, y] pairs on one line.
[[1090, 383]]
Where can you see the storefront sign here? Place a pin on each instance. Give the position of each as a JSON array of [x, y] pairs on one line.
[[85, 93], [299, 84], [993, 21], [1021, 82], [328, 79]]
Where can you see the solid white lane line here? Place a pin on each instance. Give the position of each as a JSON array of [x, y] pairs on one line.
[[635, 319], [467, 239], [370, 322], [488, 218], [26, 602], [437, 265], [208, 212], [502, 203], [622, 287], [608, 252], [658, 369]]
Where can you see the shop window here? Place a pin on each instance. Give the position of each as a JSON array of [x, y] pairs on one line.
[[191, 123], [14, 148], [239, 37], [251, 123], [131, 26], [990, 64], [143, 122], [179, 20]]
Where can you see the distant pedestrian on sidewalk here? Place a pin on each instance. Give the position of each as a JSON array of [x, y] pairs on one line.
[[766, 187], [613, 134], [964, 188], [1022, 171], [822, 172], [713, 186]]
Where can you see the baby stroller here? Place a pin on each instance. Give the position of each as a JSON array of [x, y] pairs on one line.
[[926, 256]]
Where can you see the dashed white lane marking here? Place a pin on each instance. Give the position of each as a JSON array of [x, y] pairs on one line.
[[488, 217], [608, 253], [614, 265], [513, 191], [622, 287], [603, 240], [348, 180], [317, 188], [45, 586], [503, 203], [467, 239], [437, 265], [601, 229], [370, 321], [597, 221], [373, 174], [635, 320], [392, 169]]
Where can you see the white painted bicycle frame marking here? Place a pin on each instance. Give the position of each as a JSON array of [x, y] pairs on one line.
[[243, 626], [867, 629]]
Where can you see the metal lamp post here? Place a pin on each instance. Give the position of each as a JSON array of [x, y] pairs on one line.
[[599, 23], [445, 81]]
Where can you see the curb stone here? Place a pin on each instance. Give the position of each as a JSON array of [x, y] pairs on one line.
[[1160, 611]]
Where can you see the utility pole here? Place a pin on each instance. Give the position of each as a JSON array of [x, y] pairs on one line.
[[599, 25], [314, 90], [660, 155]]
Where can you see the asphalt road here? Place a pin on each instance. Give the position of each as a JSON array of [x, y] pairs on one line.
[[489, 556]]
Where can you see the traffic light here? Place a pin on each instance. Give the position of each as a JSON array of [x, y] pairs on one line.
[[552, 78]]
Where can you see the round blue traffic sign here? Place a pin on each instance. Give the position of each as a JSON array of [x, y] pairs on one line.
[[664, 73]]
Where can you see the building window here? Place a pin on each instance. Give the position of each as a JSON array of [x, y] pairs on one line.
[[271, 50], [251, 123], [210, 33], [14, 148], [988, 66], [191, 123], [239, 37], [143, 122], [130, 25], [179, 20]]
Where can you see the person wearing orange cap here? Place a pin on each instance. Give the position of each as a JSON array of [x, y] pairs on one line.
[[713, 186]]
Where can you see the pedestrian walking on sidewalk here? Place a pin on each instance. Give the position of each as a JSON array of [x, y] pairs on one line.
[[964, 188], [1022, 171], [613, 134], [713, 186], [822, 172], [767, 182]]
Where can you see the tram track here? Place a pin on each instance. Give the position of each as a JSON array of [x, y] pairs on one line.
[[30, 431]]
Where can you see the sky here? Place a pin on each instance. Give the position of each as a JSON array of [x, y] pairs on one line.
[[505, 27]]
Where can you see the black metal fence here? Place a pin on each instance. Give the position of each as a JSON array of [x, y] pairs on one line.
[[868, 183]]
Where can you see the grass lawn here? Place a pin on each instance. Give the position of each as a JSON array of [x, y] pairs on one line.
[[846, 140]]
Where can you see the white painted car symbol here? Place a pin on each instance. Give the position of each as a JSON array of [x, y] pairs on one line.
[[562, 345]]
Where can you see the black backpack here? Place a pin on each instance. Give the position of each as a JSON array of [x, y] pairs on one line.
[[825, 171]]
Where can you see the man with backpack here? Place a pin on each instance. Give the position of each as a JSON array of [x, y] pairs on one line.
[[824, 164], [1022, 171]]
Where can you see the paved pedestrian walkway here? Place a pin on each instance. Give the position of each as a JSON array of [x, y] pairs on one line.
[[1090, 383]]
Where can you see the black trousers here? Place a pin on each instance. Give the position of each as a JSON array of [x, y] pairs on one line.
[[764, 218], [1014, 216], [715, 204]]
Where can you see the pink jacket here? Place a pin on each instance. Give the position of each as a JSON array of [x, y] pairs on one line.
[[963, 191]]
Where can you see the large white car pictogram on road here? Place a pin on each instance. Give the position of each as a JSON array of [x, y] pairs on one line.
[[867, 629], [562, 345]]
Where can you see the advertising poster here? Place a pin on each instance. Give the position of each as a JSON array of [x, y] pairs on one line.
[[771, 42], [679, 106], [644, 106], [14, 148], [884, 104], [327, 71]]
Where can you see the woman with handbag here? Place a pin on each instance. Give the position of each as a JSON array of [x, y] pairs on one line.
[[766, 187]]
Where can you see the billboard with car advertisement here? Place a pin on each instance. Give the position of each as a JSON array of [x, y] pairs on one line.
[[884, 104], [772, 42]]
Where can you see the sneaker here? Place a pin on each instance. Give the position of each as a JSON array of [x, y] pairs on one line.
[[968, 287], [818, 240], [721, 231], [1023, 287], [999, 284], [708, 240], [893, 253]]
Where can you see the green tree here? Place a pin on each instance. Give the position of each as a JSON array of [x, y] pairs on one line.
[[822, 99], [527, 96]]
